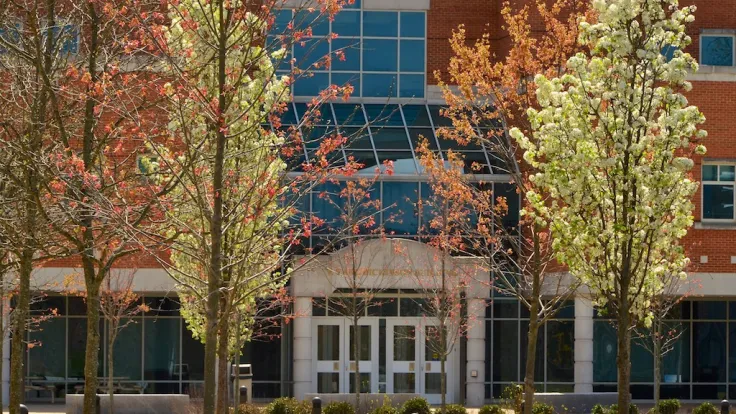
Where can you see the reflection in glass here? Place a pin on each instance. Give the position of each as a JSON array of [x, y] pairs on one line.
[[404, 383], [433, 383], [404, 344], [161, 349], [432, 345], [709, 352], [505, 350], [328, 382], [49, 347], [127, 352], [365, 343], [365, 382], [328, 343]]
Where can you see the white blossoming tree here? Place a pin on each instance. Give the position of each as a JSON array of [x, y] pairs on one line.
[[612, 141]]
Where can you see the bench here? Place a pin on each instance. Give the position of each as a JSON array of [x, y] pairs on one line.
[[51, 388]]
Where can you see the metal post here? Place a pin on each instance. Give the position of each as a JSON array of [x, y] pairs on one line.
[[725, 407], [316, 405], [23, 409]]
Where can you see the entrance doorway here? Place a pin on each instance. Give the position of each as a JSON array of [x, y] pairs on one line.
[[396, 355]]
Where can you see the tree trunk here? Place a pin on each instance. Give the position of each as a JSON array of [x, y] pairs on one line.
[[110, 370], [210, 350], [2, 328], [531, 355], [443, 374], [223, 355], [623, 360], [93, 346], [20, 314], [657, 348]]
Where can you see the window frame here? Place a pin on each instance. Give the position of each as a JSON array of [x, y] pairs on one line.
[[733, 47], [704, 182]]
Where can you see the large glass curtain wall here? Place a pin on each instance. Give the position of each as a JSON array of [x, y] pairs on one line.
[[154, 353], [701, 365], [507, 324]]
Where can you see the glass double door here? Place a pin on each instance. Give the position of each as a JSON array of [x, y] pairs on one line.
[[394, 356]]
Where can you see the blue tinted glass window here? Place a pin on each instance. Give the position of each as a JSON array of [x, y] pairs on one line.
[[380, 24], [380, 55], [326, 204], [273, 43], [357, 138], [347, 114], [311, 85], [412, 56], [668, 52], [416, 115], [350, 49], [317, 21], [718, 201], [710, 172], [311, 55], [282, 18], [727, 173], [390, 139], [508, 191], [604, 352], [388, 115], [353, 79], [347, 23], [716, 50], [412, 24], [379, 85], [399, 200], [709, 352], [412, 86], [403, 161]]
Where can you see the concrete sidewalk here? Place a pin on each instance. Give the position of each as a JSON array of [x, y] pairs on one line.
[[43, 408]]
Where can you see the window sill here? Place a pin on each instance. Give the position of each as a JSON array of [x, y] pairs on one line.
[[714, 74], [714, 226]]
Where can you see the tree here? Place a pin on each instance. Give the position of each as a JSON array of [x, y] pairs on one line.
[[612, 142], [493, 92], [229, 218], [80, 138]]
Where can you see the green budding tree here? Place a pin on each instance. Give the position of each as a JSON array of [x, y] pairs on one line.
[[612, 141]]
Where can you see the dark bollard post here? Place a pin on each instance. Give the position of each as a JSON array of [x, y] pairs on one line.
[[316, 405], [244, 394], [23, 409], [725, 407]]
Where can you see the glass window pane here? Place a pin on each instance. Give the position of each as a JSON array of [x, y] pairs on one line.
[[709, 392], [380, 24], [412, 56], [282, 18], [539, 351], [709, 309], [709, 352], [328, 382], [192, 356], [404, 383], [505, 308], [716, 50], [344, 79], [384, 115], [433, 383], [726, 173], [404, 343], [642, 363], [413, 307], [710, 172], [367, 159], [311, 84], [350, 49], [377, 85], [412, 24], [399, 202], [310, 54], [403, 161], [384, 307], [319, 307], [676, 362], [718, 201], [508, 191], [127, 352], [365, 382], [390, 139], [161, 349], [380, 55], [417, 134], [47, 349], [162, 306], [347, 114], [347, 23], [416, 115], [327, 205], [432, 345], [668, 51], [437, 119], [505, 350], [560, 351], [412, 86], [55, 305], [317, 21], [475, 163], [604, 352], [365, 343], [264, 353], [328, 343], [77, 348], [274, 43], [357, 138]]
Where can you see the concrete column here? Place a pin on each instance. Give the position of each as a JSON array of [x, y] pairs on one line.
[[302, 347], [583, 345], [476, 354]]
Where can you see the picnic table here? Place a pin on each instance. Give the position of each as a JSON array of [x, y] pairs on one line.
[[40, 384]]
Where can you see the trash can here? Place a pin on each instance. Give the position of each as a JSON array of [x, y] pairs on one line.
[[243, 377]]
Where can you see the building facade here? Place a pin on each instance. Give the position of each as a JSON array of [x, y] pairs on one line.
[[393, 49]]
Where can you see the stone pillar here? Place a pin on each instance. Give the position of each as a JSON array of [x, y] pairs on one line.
[[476, 353], [302, 347], [583, 345]]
